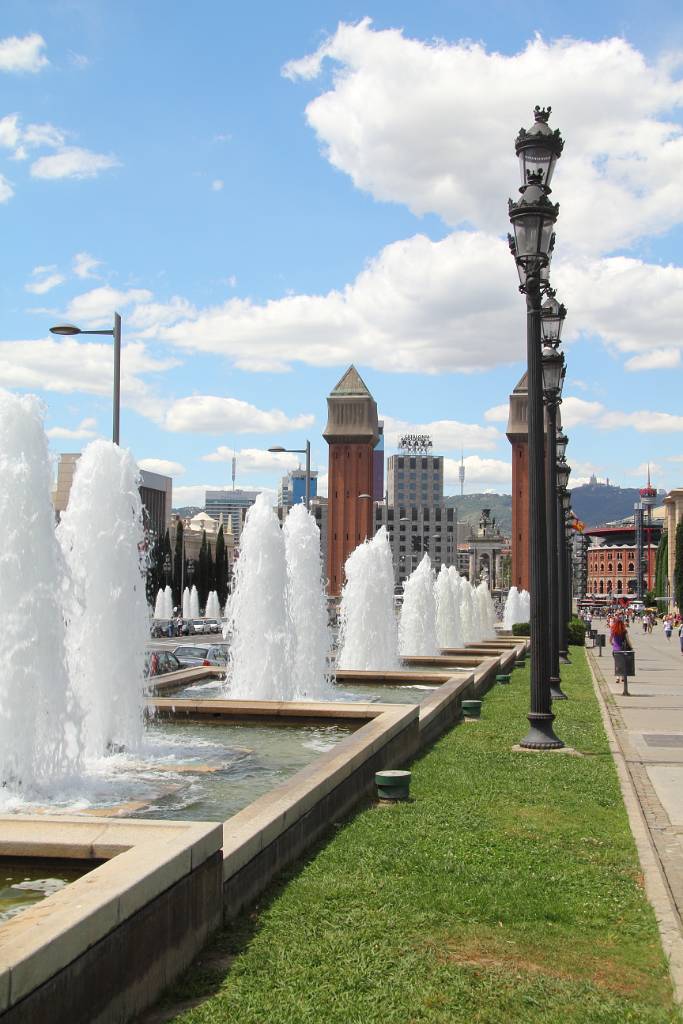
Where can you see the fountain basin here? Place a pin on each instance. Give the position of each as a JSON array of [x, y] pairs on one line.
[[110, 940]]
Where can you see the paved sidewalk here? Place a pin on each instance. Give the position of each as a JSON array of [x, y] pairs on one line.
[[648, 727]]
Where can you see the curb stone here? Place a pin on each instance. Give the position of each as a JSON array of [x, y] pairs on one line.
[[660, 858]]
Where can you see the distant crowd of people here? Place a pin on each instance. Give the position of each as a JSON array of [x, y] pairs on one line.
[[620, 618]]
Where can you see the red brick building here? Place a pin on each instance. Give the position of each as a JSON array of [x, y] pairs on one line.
[[612, 562], [518, 436], [352, 432]]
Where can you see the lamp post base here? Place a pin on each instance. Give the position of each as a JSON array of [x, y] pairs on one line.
[[541, 735], [564, 658], [556, 691]]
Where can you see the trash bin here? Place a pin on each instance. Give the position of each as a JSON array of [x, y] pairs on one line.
[[624, 663]]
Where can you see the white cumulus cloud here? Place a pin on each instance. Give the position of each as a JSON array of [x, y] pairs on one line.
[[72, 162], [85, 429], [478, 470], [163, 466], [23, 53], [44, 279], [447, 435], [254, 460], [85, 265], [431, 125], [210, 414]]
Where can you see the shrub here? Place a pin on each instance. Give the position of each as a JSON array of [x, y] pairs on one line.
[[521, 629], [576, 633]]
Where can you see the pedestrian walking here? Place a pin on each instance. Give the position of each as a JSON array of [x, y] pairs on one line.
[[619, 640], [668, 629], [680, 636]]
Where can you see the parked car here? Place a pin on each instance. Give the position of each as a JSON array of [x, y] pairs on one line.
[[212, 626], [194, 626], [158, 662], [194, 655]]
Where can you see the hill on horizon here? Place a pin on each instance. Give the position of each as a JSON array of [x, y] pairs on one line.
[[599, 503], [469, 508]]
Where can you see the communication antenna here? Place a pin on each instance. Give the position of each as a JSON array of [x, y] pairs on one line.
[[461, 473], [234, 470]]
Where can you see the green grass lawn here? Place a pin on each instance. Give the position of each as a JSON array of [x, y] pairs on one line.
[[508, 890]]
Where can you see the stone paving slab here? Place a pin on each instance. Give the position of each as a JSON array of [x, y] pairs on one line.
[[647, 728]]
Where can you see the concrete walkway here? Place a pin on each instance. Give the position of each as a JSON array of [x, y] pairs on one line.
[[648, 730]]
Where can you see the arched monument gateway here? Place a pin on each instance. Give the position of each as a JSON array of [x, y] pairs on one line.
[[485, 549]]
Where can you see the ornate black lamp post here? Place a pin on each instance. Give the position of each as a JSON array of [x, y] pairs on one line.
[[563, 471], [553, 374], [167, 567], [533, 217]]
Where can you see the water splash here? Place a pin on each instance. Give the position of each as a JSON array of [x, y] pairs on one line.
[[417, 625], [160, 606], [456, 582], [447, 612], [258, 620], [467, 612], [194, 603], [168, 603], [310, 677], [487, 612], [39, 718], [368, 637], [514, 610], [213, 608], [525, 609], [102, 537], [187, 613]]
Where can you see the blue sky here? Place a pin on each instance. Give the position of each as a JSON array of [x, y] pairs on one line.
[[269, 192]]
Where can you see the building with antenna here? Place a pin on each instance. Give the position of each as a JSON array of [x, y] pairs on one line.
[[461, 473], [231, 505]]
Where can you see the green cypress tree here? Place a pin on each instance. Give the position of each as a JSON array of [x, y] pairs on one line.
[[221, 569], [661, 568], [678, 568], [210, 569], [178, 565], [202, 580]]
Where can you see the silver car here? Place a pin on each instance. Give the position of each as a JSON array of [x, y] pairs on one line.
[[196, 655]]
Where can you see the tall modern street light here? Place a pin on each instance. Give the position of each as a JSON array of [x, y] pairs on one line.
[[533, 217], [553, 374], [299, 451], [115, 333]]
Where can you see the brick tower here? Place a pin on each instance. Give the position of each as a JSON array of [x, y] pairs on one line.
[[352, 432], [518, 436]]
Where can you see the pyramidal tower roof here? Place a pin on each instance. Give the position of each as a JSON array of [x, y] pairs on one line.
[[351, 384]]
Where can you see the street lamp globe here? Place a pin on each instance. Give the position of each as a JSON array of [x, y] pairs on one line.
[[563, 471], [553, 367], [533, 216], [538, 148], [552, 320], [561, 444]]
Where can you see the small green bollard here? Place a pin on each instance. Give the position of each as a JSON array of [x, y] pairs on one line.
[[471, 709], [503, 678], [393, 784]]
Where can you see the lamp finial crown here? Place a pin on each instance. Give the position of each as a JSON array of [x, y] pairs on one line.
[[542, 113]]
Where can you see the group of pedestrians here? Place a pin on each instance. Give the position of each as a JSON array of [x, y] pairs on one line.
[[671, 623]]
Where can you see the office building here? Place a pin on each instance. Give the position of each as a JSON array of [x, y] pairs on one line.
[[232, 505], [415, 529], [414, 477], [156, 493], [292, 488]]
